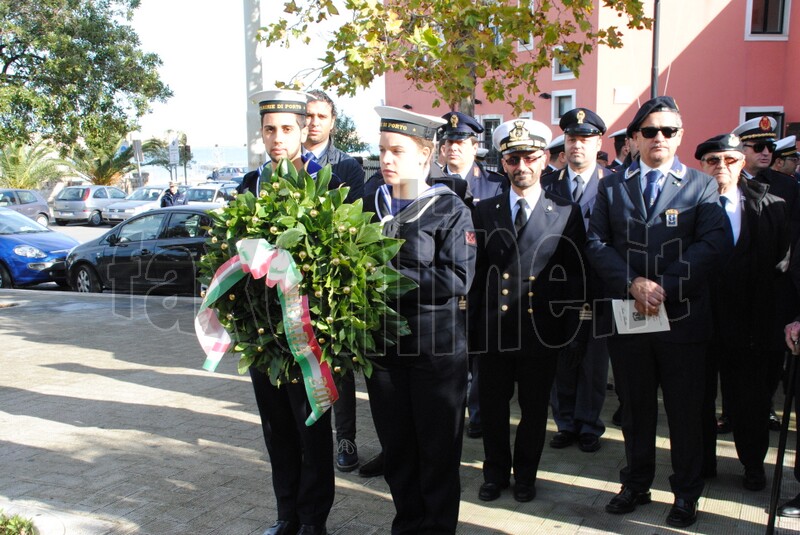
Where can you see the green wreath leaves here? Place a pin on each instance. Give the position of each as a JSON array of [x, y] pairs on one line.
[[343, 257]]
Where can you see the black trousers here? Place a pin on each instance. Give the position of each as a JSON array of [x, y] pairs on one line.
[[344, 410], [642, 363], [301, 456], [418, 408], [744, 380], [533, 373]]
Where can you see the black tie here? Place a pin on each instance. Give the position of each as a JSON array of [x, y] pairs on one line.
[[723, 201], [577, 193], [651, 189], [522, 216]]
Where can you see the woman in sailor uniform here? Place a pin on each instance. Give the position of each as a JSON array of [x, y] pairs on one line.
[[417, 389]]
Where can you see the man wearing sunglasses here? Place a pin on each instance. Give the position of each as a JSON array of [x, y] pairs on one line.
[[785, 157], [758, 143], [656, 235], [524, 305], [759, 226]]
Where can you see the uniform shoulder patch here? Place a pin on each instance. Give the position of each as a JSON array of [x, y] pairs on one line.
[[470, 238]]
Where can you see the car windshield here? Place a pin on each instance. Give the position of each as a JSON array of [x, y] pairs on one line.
[[145, 194], [14, 223], [200, 195], [71, 194]]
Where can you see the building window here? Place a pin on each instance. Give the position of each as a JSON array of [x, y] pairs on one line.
[[563, 101], [766, 19], [776, 112], [490, 122], [561, 72]]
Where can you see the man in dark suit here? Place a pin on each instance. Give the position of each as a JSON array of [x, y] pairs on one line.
[[656, 234], [321, 117], [746, 281], [523, 305], [580, 386], [758, 138]]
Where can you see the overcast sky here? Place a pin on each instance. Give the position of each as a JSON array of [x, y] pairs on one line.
[[201, 44]]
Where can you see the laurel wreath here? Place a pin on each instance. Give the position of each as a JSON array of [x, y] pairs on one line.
[[344, 259]]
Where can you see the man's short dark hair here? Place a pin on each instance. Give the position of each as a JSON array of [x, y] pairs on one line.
[[619, 142], [318, 95]]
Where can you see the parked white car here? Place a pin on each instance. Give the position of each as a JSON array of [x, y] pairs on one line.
[[140, 200]]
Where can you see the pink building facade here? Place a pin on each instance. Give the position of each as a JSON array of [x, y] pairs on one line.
[[724, 61]]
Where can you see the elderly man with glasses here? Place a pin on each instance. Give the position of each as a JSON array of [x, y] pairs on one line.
[[656, 235], [759, 232]]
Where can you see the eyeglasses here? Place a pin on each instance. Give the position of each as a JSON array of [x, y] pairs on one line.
[[528, 159], [714, 161], [760, 146], [650, 132]]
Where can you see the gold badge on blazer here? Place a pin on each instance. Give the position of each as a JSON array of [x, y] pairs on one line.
[[672, 217]]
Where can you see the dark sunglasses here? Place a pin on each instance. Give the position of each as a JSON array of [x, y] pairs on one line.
[[714, 160], [760, 146], [650, 132], [528, 159]]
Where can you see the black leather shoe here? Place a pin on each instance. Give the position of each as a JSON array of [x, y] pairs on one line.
[[563, 439], [282, 527], [616, 418], [524, 492], [626, 501], [754, 478], [790, 509], [373, 467], [491, 491], [774, 421], [682, 514], [474, 430], [723, 425], [588, 442], [305, 529], [346, 456]]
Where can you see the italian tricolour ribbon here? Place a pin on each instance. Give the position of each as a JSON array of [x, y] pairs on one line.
[[260, 259]]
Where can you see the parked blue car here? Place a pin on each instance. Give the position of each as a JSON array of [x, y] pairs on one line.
[[31, 253]]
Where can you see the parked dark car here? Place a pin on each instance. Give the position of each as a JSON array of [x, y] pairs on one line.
[[31, 253], [26, 202], [157, 251]]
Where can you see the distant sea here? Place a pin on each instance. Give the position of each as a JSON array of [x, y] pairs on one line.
[[204, 160]]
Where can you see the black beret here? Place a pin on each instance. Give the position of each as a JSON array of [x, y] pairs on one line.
[[718, 143], [651, 106], [582, 122]]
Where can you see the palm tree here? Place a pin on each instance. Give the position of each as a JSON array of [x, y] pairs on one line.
[[105, 167], [31, 166]]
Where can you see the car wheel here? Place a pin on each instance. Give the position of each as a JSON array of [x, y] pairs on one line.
[[5, 278], [95, 219], [86, 281], [60, 222], [43, 220]]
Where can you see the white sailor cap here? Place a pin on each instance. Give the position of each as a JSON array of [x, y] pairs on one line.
[[558, 142], [408, 123], [521, 135], [280, 101], [759, 128], [786, 147], [621, 132]]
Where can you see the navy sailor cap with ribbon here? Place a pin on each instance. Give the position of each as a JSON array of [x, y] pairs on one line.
[[281, 101], [409, 123]]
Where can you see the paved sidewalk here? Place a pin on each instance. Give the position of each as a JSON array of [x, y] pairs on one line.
[[110, 426]]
